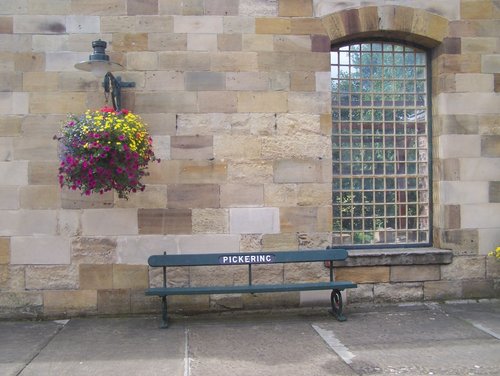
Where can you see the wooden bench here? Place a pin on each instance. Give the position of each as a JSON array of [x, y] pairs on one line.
[[222, 259]]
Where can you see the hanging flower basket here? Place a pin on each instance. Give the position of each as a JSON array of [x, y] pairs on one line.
[[104, 150]]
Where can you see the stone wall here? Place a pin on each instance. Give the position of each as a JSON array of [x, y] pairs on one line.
[[236, 96]]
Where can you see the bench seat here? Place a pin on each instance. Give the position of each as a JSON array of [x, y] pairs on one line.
[[166, 291]]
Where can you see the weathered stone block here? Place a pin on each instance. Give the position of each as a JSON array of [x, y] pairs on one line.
[[480, 215], [75, 200], [241, 24], [301, 146], [188, 196], [21, 304], [229, 42], [165, 221], [14, 172], [127, 42], [280, 195], [294, 43], [236, 147], [310, 26], [189, 303], [130, 276], [114, 302], [479, 45], [51, 277], [136, 7], [473, 82], [271, 300], [398, 292], [476, 9], [202, 42], [6, 25], [459, 146], [140, 303], [258, 42], [303, 81], [191, 147], [233, 61], [314, 195], [462, 192], [415, 273], [95, 276], [490, 146], [300, 219], [112, 7], [297, 171], [40, 197], [213, 221], [464, 268], [93, 250], [39, 250], [305, 272], [254, 220], [217, 101], [166, 102], [247, 81], [226, 302], [295, 8], [196, 24], [4, 250], [478, 289], [9, 197], [442, 290], [39, 24], [142, 61], [170, 41], [309, 103], [284, 242], [258, 7], [273, 26], [153, 24], [109, 222], [253, 172], [15, 103], [209, 243], [362, 274], [361, 294], [10, 125], [58, 103], [69, 302], [241, 195]]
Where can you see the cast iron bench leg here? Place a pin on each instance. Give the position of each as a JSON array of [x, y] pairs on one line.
[[164, 315], [336, 300]]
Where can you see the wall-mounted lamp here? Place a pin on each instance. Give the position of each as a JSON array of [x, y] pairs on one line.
[[100, 65]]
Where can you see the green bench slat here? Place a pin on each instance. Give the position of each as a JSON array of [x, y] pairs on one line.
[[278, 257], [166, 291]]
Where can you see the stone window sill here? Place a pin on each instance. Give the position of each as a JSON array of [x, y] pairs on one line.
[[397, 256]]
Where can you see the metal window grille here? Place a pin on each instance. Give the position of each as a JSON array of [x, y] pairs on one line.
[[380, 145]]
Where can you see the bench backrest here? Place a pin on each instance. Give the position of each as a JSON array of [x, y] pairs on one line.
[[265, 257]]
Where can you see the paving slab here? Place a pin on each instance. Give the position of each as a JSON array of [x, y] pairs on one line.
[[21, 341], [112, 346], [422, 341], [281, 347]]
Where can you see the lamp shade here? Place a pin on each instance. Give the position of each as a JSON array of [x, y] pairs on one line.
[[99, 63]]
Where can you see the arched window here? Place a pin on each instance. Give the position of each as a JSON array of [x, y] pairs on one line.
[[380, 144]]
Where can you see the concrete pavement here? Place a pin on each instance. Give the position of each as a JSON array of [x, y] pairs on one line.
[[422, 339]]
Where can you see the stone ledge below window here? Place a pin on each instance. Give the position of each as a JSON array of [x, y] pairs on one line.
[[397, 256]]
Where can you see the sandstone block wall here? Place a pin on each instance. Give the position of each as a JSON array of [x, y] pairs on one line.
[[236, 94]]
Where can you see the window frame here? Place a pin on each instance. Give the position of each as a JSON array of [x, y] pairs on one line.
[[429, 84]]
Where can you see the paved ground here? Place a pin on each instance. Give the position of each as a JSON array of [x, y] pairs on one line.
[[430, 339]]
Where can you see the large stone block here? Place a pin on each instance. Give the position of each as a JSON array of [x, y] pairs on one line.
[[58, 103], [400, 273], [40, 197], [464, 268], [97, 222], [127, 42], [297, 171], [14, 173], [36, 249], [95, 276], [309, 26], [188, 196], [76, 200], [293, 123], [191, 147], [362, 274], [442, 290], [254, 220], [210, 221], [284, 242], [51, 277], [170, 41], [202, 42], [302, 146], [292, 43], [309, 102], [273, 26], [69, 302], [116, 301], [34, 148], [21, 304], [217, 101], [93, 250], [233, 61], [165, 221], [130, 276], [295, 8], [459, 146], [140, 303], [10, 125], [197, 24], [142, 61], [478, 45], [15, 103], [473, 82], [229, 42], [241, 24], [9, 197], [250, 172], [398, 292], [198, 81], [305, 272], [462, 192], [241, 195], [478, 289], [4, 250], [281, 195], [271, 300], [235, 147], [301, 219], [247, 81], [490, 146], [476, 9], [28, 222], [111, 7], [44, 24], [480, 215], [210, 243], [258, 42], [258, 8], [138, 7], [314, 195], [154, 24], [166, 102]]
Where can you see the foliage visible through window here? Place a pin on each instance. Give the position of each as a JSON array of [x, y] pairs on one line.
[[380, 144]]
